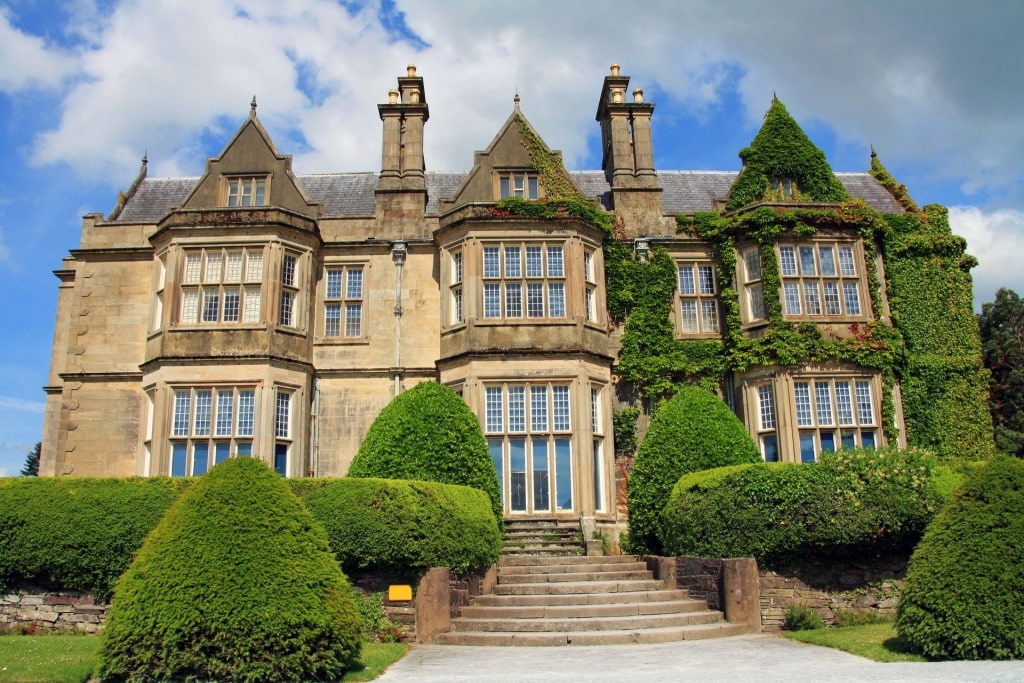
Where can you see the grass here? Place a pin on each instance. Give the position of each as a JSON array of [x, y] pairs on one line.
[[873, 641], [72, 659]]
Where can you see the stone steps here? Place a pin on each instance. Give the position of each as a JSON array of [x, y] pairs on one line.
[[580, 600], [542, 538]]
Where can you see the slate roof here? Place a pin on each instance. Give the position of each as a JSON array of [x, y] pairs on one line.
[[351, 194]]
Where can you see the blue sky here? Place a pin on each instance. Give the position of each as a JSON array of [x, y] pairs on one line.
[[87, 87]]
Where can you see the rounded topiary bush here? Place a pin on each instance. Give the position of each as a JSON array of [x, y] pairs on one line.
[[429, 433], [235, 583], [964, 592], [692, 431]]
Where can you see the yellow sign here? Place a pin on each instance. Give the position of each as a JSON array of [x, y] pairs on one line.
[[398, 593]]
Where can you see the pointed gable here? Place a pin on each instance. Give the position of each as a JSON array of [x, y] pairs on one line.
[[250, 172], [782, 163], [516, 163]]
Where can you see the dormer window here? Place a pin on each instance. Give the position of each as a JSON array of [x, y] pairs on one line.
[[518, 184], [783, 188], [246, 191]]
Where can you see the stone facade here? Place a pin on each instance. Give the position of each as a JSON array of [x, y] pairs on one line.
[[253, 311]]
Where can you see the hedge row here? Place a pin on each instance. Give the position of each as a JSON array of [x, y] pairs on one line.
[[80, 534], [850, 503]]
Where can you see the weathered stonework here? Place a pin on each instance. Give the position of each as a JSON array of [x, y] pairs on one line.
[[33, 610]]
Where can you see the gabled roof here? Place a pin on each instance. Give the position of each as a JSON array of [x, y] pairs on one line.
[[352, 194]]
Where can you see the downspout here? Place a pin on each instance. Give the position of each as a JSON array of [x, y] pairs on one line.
[[399, 250], [314, 435]]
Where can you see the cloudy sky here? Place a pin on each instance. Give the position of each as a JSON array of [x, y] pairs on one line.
[[88, 86]]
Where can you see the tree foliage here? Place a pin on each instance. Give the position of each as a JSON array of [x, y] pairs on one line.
[[31, 468], [964, 591], [236, 582], [430, 434], [1002, 337], [692, 431]]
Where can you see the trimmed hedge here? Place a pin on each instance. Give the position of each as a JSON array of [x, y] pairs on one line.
[[850, 503], [692, 431], [964, 591], [405, 525], [236, 582], [430, 434], [75, 533], [80, 534]]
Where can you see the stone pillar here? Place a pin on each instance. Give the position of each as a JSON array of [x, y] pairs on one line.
[[741, 593], [433, 604]]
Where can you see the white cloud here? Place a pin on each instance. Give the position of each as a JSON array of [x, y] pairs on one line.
[[21, 405], [26, 61], [996, 239]]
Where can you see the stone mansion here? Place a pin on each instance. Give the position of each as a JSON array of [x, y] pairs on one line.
[[259, 312]]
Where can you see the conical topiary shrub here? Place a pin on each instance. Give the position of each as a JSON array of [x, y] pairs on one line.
[[692, 431], [430, 434], [964, 591], [236, 583]]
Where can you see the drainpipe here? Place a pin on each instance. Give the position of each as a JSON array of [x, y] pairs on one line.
[[314, 435], [399, 250]]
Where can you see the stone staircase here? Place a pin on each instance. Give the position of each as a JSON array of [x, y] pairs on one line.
[[542, 538], [578, 600]]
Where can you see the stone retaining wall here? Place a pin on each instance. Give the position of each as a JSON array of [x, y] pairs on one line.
[[32, 609]]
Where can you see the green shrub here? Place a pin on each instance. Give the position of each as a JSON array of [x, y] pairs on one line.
[[964, 591], [236, 583], [801, 618], [77, 533], [377, 627], [692, 431], [405, 525], [859, 617], [852, 502], [429, 433]]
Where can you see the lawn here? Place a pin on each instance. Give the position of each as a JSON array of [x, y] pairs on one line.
[[874, 641], [71, 659]]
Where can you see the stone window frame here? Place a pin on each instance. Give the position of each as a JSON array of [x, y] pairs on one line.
[[346, 302], [702, 299], [522, 183], [532, 290], [248, 190], [818, 417], [806, 283], [197, 425], [207, 282]]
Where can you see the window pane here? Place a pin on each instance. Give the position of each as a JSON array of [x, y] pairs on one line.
[[516, 409], [812, 298], [200, 458], [244, 449], [851, 297], [686, 283], [828, 441], [709, 315], [766, 403], [252, 304], [233, 269], [225, 412], [827, 260], [288, 270], [457, 266], [591, 304], [491, 262], [533, 187], [334, 284], [232, 304], [281, 459], [598, 476], [246, 412], [513, 262], [178, 457], [493, 420], [770, 448], [517, 474], [538, 409], [791, 294], [457, 305], [261, 193], [563, 474], [213, 266], [192, 265], [495, 447], [492, 300], [752, 260], [182, 410], [867, 439], [541, 476], [807, 266], [688, 316], [535, 300], [707, 279], [281, 421], [556, 299], [823, 402], [190, 306], [756, 302], [560, 408], [211, 306], [807, 447], [787, 260], [332, 320], [846, 263], [865, 410], [849, 439], [221, 451], [287, 308], [534, 267], [555, 265], [504, 183], [831, 298], [844, 403], [514, 300], [354, 290], [802, 396], [254, 266], [353, 320]]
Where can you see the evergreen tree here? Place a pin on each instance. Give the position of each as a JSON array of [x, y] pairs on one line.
[[1002, 338], [31, 468]]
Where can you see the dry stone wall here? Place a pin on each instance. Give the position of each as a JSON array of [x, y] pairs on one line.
[[31, 610]]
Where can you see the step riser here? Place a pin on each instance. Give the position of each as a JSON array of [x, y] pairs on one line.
[[578, 577], [719, 630], [585, 624], [637, 609], [569, 587], [626, 597], [518, 562], [514, 571]]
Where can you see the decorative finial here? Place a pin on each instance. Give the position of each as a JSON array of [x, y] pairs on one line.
[[411, 70], [252, 108], [515, 100], [615, 70], [873, 153], [638, 96], [145, 158], [775, 98]]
